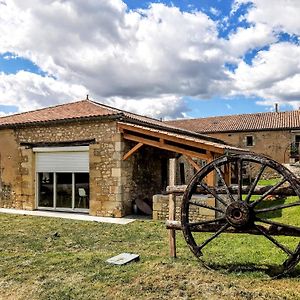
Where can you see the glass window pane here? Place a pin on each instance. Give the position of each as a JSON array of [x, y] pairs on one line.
[[64, 190], [81, 190], [45, 194]]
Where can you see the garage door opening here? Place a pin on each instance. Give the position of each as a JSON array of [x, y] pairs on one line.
[[63, 191], [62, 178]]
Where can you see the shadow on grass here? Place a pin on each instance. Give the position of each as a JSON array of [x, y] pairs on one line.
[[270, 202], [271, 271]]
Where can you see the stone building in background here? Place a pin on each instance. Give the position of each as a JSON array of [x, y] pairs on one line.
[[275, 134], [88, 157]]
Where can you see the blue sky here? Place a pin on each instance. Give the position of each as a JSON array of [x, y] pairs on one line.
[[169, 59]]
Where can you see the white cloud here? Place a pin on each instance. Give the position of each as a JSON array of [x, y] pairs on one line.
[[29, 91], [214, 11], [145, 60], [281, 15], [2, 114], [113, 52], [274, 74], [254, 37], [166, 107]]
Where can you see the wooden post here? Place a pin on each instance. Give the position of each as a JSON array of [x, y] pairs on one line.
[[172, 206], [227, 174], [211, 178]]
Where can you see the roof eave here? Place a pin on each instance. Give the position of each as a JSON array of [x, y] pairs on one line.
[[248, 130], [62, 121]]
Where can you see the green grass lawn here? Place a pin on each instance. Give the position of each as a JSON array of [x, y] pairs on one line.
[[34, 264]]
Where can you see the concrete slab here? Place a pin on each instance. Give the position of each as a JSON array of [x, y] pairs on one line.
[[123, 259], [64, 215]]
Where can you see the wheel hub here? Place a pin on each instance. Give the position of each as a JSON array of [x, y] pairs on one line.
[[238, 214]]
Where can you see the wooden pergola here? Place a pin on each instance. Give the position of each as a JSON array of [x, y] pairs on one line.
[[187, 145]]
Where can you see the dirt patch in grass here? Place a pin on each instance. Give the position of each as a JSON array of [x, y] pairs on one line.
[[42, 258]]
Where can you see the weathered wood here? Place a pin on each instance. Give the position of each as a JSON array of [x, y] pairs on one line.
[[165, 146], [192, 163], [227, 174], [271, 230], [211, 177], [168, 137], [259, 190], [172, 206], [132, 150]]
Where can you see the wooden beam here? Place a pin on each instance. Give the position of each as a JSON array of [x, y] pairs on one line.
[[233, 189], [175, 139], [194, 164], [211, 177], [277, 231], [164, 146], [132, 150], [172, 206], [227, 174]]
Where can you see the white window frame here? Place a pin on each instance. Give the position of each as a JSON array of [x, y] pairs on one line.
[[73, 208], [37, 187]]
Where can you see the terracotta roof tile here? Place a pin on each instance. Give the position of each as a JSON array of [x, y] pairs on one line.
[[79, 109], [86, 109], [244, 122]]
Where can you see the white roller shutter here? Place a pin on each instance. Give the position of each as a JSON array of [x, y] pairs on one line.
[[62, 159]]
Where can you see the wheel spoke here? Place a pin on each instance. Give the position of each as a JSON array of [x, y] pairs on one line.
[[270, 238], [223, 228], [206, 206], [278, 224], [240, 178], [254, 184], [213, 192], [224, 183], [205, 222], [272, 189], [283, 206]]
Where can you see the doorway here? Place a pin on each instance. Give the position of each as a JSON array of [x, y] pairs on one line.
[[63, 191], [62, 178]]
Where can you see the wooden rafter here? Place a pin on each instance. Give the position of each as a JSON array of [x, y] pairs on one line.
[[193, 163], [132, 150], [163, 145], [160, 135]]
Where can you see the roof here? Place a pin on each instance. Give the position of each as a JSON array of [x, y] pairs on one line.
[[243, 122], [181, 137], [75, 110], [87, 110]]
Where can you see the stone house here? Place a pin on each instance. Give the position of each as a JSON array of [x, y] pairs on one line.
[[89, 157], [275, 134]]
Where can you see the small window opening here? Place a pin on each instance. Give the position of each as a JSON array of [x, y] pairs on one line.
[[182, 173], [164, 174], [249, 140]]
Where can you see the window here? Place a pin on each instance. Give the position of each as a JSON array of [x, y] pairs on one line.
[[182, 173], [63, 190], [249, 140], [294, 151]]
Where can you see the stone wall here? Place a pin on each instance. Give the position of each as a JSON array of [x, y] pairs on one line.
[[144, 172], [161, 208], [10, 165], [109, 195], [272, 143], [114, 184], [294, 168]]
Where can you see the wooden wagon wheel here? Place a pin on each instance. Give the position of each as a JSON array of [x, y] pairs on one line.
[[241, 208]]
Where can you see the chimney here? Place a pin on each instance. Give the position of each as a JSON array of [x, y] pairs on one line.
[[276, 107]]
